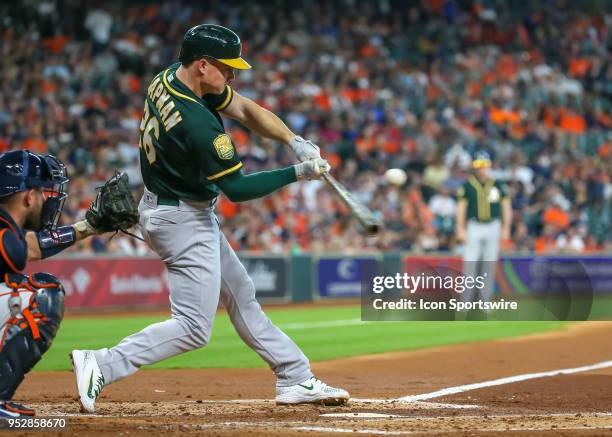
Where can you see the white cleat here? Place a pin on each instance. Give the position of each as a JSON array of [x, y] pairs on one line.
[[89, 379], [311, 391]]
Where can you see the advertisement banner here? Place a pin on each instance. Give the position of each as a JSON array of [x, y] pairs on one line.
[[343, 277], [116, 282], [107, 282], [269, 274], [523, 275]]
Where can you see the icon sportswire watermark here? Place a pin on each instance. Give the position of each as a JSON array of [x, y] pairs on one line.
[[515, 289]]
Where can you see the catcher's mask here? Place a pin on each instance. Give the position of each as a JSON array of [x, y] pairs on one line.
[[21, 170]]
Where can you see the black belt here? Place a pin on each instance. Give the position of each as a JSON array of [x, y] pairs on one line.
[[167, 201]]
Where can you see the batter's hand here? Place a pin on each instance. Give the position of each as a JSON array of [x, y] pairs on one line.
[[304, 149], [461, 235], [312, 169]]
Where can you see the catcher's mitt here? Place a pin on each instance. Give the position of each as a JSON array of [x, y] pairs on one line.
[[114, 208]]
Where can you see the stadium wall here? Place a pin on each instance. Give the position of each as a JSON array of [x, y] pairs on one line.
[[105, 282]]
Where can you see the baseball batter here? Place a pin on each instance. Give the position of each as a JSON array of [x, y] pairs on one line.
[[485, 206], [187, 159]]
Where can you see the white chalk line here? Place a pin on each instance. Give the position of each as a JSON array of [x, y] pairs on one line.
[[351, 430], [389, 402], [502, 381], [421, 432], [322, 324], [362, 415]]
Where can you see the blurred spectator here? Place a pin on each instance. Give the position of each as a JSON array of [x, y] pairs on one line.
[[418, 85]]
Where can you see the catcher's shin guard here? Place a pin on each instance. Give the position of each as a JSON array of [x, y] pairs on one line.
[[28, 335]]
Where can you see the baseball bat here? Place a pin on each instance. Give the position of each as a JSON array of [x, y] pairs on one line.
[[363, 215]]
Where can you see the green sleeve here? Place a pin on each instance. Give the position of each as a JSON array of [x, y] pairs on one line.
[[502, 189], [212, 147], [221, 101], [239, 187], [461, 193]]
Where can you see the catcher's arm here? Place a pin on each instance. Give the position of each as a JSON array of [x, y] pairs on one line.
[[114, 209], [43, 244]]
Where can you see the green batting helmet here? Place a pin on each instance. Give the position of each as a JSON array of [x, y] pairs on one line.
[[214, 41]]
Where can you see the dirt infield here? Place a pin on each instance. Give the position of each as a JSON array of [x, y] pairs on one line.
[[228, 402]]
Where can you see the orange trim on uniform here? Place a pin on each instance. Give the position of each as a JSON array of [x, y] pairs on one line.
[[16, 286], [39, 285], [27, 314], [9, 224], [3, 252], [17, 410]]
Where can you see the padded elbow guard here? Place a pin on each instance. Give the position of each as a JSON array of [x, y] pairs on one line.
[[29, 334]]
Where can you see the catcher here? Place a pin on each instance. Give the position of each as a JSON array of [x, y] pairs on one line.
[[32, 196]]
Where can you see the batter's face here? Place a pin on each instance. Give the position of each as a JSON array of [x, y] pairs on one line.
[[216, 74]]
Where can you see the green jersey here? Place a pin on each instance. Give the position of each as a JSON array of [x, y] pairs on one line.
[[483, 199], [183, 145]]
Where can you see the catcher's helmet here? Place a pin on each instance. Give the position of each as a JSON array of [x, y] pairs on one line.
[[214, 41], [481, 160], [21, 170]]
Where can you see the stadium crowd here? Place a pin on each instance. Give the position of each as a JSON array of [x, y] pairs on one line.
[[419, 85]]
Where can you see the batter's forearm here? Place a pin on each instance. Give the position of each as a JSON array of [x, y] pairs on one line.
[[265, 123], [240, 188]]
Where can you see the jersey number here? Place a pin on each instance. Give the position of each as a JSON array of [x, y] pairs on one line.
[[149, 125]]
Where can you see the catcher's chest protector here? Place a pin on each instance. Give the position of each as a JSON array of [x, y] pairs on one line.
[[13, 245], [31, 309]]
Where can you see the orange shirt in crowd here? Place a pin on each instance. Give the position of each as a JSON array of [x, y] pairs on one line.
[[37, 145], [226, 208], [333, 159], [556, 217], [501, 116], [572, 122], [240, 138], [506, 67], [605, 149], [549, 118], [4, 144], [55, 44], [579, 66], [545, 244], [323, 101]]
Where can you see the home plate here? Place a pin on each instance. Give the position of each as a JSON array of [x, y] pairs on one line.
[[363, 415]]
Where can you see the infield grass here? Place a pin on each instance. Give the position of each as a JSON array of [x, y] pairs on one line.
[[323, 332]]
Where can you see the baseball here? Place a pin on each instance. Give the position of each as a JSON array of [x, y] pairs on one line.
[[396, 176]]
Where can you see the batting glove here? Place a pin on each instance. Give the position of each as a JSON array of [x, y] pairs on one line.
[[304, 149], [312, 169]]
